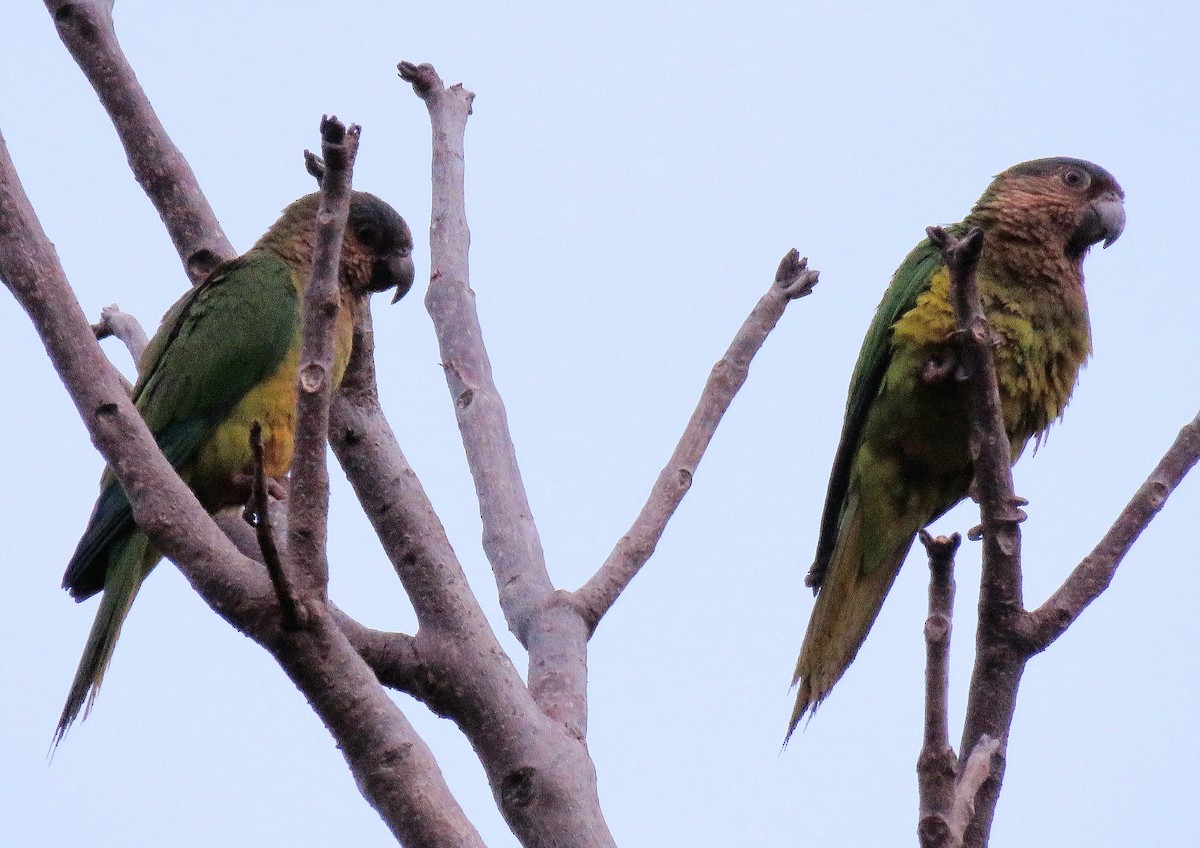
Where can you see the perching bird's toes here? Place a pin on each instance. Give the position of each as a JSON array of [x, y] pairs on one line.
[[1013, 514], [938, 367]]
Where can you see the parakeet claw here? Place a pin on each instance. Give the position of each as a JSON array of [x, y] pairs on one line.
[[813, 579], [1013, 514], [277, 489], [939, 367]]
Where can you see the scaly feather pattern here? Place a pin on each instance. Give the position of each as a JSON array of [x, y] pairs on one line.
[[903, 457]]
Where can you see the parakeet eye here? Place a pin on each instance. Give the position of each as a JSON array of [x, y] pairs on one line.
[[368, 235], [1075, 178]]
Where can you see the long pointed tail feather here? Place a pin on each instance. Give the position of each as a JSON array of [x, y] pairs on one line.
[[125, 575], [847, 605]]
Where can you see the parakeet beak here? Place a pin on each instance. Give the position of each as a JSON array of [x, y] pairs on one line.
[[395, 270], [1110, 209], [404, 272], [1103, 220]]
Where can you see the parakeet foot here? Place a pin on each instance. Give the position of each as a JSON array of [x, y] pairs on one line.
[[277, 489], [939, 367], [1013, 514]]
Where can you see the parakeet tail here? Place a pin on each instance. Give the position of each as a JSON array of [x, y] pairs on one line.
[[846, 607], [125, 575]]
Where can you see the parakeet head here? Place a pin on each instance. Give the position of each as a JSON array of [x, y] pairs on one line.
[[1069, 201], [376, 248], [377, 229]]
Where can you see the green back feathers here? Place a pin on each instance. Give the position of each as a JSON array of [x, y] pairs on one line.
[[215, 344], [912, 278], [225, 358], [224, 338]]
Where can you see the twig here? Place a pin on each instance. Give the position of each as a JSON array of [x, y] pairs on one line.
[[510, 537], [122, 325], [86, 28], [292, 612], [315, 166], [1093, 575], [308, 500], [937, 764], [941, 551], [793, 280]]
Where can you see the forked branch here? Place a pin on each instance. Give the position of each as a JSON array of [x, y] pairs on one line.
[[1008, 636]]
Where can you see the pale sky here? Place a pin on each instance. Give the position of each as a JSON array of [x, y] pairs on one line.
[[635, 172]]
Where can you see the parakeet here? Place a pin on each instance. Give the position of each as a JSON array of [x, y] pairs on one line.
[[903, 456], [226, 356]]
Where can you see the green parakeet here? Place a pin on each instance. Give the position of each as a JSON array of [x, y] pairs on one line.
[[225, 357], [903, 457]]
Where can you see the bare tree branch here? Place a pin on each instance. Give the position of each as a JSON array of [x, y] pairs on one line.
[[1093, 575], [999, 659], [394, 500], [539, 768], [86, 28], [163, 505], [293, 613], [542, 778], [510, 538], [543, 620], [974, 773], [308, 499], [937, 764], [392, 765], [938, 628], [123, 326], [793, 280]]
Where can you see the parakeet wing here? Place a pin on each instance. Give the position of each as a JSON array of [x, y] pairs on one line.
[[215, 344], [911, 278]]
